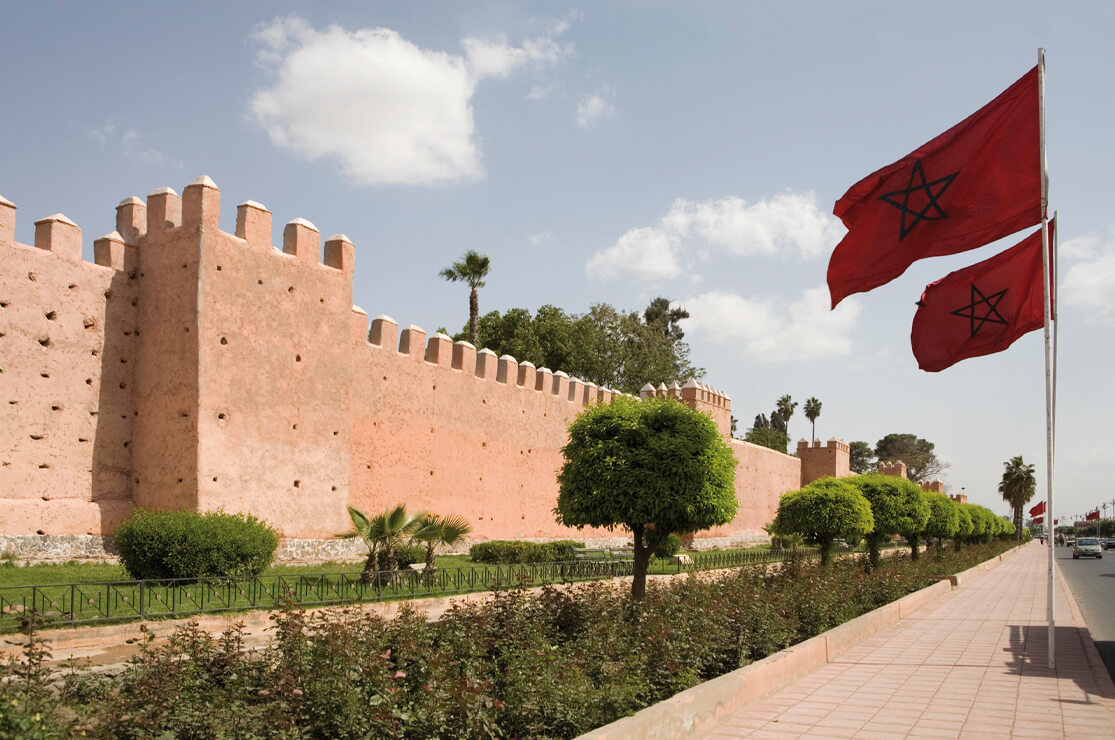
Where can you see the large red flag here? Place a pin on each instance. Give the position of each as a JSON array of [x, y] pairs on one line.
[[975, 183], [1038, 510], [981, 309]]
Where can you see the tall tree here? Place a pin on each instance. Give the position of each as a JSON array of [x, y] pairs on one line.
[[812, 411], [660, 315], [1017, 487], [784, 409], [766, 434], [472, 269], [860, 457], [921, 462], [824, 511], [654, 466], [896, 506]]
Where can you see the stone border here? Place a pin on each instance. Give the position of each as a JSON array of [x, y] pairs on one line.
[[697, 711]]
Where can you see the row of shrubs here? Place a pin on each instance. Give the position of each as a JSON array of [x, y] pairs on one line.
[[512, 551], [548, 664]]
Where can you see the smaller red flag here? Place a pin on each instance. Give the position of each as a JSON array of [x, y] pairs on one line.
[[1093, 516], [1038, 510], [981, 309], [1039, 519]]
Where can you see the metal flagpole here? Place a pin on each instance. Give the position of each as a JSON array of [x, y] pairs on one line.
[[1046, 269]]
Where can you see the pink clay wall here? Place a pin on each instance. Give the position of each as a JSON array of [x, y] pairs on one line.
[[199, 368]]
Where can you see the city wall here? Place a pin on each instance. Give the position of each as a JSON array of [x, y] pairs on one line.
[[189, 367]]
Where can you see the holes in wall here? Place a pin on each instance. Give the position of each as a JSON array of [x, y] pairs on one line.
[[132, 275], [135, 301], [294, 426], [224, 340], [3, 334], [13, 403], [95, 352], [184, 414], [187, 329], [297, 484], [221, 416], [3, 304], [108, 293], [44, 341], [290, 289], [40, 531], [435, 386], [179, 480], [123, 361], [431, 472], [71, 286], [88, 323], [44, 375], [259, 282], [214, 479], [52, 315], [218, 268], [332, 488], [123, 386], [321, 300], [36, 436], [56, 407], [88, 381], [82, 439], [32, 276], [126, 445], [335, 433], [93, 412], [184, 265], [43, 466], [298, 358]]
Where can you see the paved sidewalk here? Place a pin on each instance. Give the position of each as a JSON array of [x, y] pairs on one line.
[[972, 665]]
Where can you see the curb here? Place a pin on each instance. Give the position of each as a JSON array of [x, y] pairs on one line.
[[1104, 684], [697, 711]]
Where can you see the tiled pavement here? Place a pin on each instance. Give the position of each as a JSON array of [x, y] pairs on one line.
[[972, 665]]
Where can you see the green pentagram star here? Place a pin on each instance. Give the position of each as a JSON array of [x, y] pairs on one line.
[[932, 191], [990, 316]]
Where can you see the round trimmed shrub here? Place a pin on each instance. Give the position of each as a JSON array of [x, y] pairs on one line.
[[408, 555], [187, 544], [668, 547]]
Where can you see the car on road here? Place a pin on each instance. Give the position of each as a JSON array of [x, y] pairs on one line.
[[1109, 543], [1086, 547]]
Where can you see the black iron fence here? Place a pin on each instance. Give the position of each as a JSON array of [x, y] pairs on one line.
[[121, 601]]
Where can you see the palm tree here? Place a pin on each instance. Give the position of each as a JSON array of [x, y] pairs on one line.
[[812, 411], [437, 530], [1017, 487], [785, 409], [383, 534], [472, 270]]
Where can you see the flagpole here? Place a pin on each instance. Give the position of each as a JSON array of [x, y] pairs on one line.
[[1046, 269]]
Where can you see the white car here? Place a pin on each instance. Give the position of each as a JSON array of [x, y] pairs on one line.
[[1087, 547]]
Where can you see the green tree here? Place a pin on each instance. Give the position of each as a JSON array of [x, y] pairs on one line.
[[434, 530], [824, 511], [472, 269], [897, 507], [383, 534], [860, 457], [784, 409], [1107, 528], [963, 526], [653, 466], [1017, 487], [921, 462], [812, 411], [764, 434], [944, 517]]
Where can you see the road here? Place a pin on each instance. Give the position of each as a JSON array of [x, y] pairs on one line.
[[1093, 585]]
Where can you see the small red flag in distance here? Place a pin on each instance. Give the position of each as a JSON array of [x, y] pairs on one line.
[[981, 309], [1038, 510], [1093, 516], [1039, 519], [975, 183]]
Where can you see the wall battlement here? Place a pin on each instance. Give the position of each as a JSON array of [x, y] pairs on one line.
[[191, 367]]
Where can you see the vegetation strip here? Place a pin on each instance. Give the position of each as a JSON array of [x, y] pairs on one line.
[[553, 663]]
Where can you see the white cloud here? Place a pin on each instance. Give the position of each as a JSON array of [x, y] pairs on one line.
[[389, 111], [769, 330], [540, 238], [1089, 283], [789, 223], [646, 254], [596, 107], [129, 142]]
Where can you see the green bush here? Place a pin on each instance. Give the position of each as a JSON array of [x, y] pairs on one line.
[[407, 555], [668, 547], [513, 551], [186, 544]]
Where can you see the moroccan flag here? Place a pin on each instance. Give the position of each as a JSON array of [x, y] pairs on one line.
[[1039, 520], [1038, 510], [1093, 516], [977, 182], [981, 309]]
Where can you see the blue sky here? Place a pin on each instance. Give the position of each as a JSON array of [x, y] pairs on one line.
[[614, 152]]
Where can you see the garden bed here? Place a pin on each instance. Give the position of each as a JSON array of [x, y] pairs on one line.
[[553, 663]]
